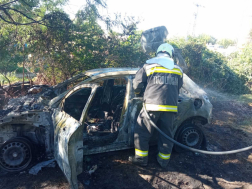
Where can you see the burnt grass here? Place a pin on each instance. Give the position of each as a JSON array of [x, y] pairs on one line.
[[186, 170]]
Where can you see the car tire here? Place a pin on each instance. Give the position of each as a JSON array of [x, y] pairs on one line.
[[16, 154], [190, 135]]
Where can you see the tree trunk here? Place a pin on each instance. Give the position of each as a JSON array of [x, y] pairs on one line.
[[23, 76], [53, 75], [9, 86]]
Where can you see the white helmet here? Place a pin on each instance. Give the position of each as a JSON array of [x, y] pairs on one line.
[[166, 48]]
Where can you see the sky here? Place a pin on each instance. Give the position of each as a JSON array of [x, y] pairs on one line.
[[218, 18]]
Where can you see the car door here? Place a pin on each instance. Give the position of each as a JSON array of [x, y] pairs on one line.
[[68, 133]]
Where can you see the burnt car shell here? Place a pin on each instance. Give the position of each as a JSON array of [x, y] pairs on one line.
[[69, 127], [194, 106]]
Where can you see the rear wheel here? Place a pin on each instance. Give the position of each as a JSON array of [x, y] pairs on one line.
[[16, 154], [189, 135]]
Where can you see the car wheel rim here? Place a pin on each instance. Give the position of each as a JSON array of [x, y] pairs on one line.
[[15, 155], [191, 137]]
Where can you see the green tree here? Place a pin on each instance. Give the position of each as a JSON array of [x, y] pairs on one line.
[[241, 62], [210, 69], [206, 39], [226, 42], [27, 12]]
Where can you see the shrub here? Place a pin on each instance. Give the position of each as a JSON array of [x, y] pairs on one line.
[[210, 69]]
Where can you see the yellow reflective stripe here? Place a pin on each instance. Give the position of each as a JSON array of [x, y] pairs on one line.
[[167, 108], [164, 156], [163, 70], [141, 153]]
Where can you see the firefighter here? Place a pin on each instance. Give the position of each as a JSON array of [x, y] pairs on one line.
[[160, 79]]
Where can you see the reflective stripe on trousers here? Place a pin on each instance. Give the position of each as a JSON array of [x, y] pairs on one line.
[[167, 108], [141, 153], [164, 156]]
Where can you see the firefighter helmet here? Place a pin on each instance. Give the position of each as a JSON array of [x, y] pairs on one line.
[[166, 48]]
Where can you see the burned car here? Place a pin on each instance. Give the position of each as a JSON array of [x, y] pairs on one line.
[[97, 115]]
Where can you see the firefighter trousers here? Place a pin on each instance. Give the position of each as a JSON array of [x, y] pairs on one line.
[[144, 131]]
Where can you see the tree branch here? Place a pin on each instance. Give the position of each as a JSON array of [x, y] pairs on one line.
[[27, 3], [8, 3], [4, 9], [9, 16], [1, 87], [23, 14], [24, 24]]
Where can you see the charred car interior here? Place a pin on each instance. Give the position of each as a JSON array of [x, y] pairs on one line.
[[102, 123]]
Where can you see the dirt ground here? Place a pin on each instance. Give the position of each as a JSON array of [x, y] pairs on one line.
[[231, 129]]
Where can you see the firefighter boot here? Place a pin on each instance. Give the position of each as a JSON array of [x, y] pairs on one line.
[[139, 160], [163, 162]]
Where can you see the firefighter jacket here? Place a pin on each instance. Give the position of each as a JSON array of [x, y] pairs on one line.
[[161, 86]]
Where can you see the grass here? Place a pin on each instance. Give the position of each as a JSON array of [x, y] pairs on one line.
[[246, 124], [12, 77], [239, 120], [247, 98], [218, 96]]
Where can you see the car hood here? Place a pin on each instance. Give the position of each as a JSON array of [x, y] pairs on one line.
[[191, 88]]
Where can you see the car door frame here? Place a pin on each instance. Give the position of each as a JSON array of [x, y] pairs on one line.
[[68, 137]]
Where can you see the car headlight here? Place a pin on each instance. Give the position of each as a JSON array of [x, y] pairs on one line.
[[197, 103]]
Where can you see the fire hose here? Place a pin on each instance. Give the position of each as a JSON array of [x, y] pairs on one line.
[[189, 148]]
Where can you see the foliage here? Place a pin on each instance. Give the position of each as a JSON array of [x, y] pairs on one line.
[[205, 39], [241, 62], [75, 46], [226, 42], [43, 39], [126, 52], [49, 42], [27, 12], [210, 69]]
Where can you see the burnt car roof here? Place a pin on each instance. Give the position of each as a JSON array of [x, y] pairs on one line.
[[97, 74], [111, 70], [94, 75], [94, 72]]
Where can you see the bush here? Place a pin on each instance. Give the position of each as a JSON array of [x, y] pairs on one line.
[[241, 62], [210, 69]]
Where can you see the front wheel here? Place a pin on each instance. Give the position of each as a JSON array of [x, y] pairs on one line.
[[190, 135], [16, 154]]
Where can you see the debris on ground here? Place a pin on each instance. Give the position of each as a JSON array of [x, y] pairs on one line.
[[35, 169], [87, 182], [93, 169]]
